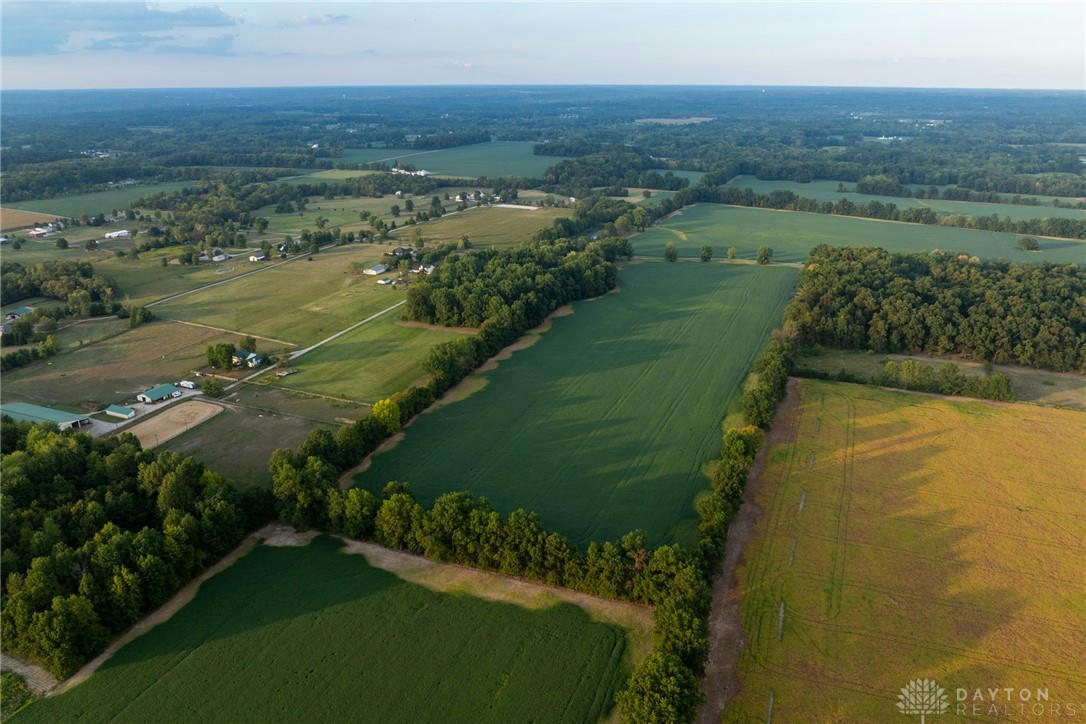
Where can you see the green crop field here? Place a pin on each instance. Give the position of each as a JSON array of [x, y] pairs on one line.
[[97, 201], [908, 537], [313, 634], [604, 424], [301, 302], [494, 159], [366, 364], [824, 190], [115, 369], [486, 226], [793, 234]]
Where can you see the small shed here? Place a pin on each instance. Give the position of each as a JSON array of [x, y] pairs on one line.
[[257, 257], [125, 413], [158, 393]]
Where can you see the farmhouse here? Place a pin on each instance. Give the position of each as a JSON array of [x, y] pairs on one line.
[[26, 412], [120, 234], [257, 257], [158, 393], [375, 270], [245, 358], [125, 413]]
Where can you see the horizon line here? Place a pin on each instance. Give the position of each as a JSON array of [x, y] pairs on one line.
[[551, 85]]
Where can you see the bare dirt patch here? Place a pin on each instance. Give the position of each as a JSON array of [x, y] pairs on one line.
[[726, 635], [446, 578], [37, 679], [173, 421], [278, 535]]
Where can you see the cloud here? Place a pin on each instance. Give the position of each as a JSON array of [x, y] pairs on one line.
[[129, 42], [221, 45], [324, 19], [42, 28]]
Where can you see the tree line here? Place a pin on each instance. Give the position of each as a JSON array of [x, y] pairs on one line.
[[868, 298], [97, 532]]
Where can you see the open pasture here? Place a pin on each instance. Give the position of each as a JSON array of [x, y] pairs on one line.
[[494, 159], [495, 226], [604, 424], [793, 234], [942, 540], [824, 190], [314, 633], [367, 364], [239, 441], [344, 211], [301, 302], [96, 202], [115, 369]]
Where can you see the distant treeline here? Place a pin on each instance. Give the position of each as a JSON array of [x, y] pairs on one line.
[[97, 532], [784, 199], [867, 298]]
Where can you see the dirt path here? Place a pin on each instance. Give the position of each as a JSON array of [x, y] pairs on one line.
[[163, 612], [726, 635], [38, 680]]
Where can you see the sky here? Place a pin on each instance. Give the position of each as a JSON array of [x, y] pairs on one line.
[[51, 45]]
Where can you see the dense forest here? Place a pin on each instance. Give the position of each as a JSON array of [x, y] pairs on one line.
[[97, 532], [867, 298]]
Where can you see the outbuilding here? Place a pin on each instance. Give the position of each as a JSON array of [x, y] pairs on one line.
[[375, 270], [158, 393], [125, 413], [120, 234], [257, 257], [27, 412]]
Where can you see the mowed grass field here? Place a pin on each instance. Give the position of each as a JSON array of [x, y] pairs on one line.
[[96, 202], [301, 302], [313, 634], [824, 190], [911, 537], [494, 159], [604, 424], [485, 226], [367, 364], [115, 369], [344, 211], [793, 234]]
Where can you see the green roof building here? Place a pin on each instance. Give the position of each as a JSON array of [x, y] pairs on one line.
[[158, 392], [26, 412], [121, 411]]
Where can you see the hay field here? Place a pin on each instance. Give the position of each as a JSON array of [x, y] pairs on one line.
[[793, 234], [19, 219], [495, 226], [913, 537], [374, 361], [315, 634], [824, 190], [604, 424], [301, 302]]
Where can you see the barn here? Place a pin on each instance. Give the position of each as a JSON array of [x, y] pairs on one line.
[[26, 412]]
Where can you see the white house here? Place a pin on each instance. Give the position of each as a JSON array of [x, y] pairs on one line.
[[257, 257], [119, 234], [375, 270]]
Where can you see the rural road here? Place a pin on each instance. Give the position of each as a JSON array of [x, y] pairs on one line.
[[299, 352]]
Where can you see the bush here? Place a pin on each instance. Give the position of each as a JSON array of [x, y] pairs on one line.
[[213, 387], [670, 254]]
